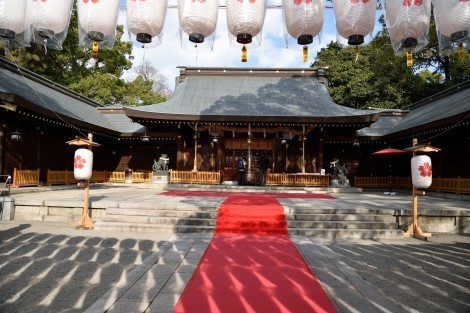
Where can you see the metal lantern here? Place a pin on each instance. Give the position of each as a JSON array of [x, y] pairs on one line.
[[452, 22], [355, 19], [198, 18], [50, 20], [145, 20], [421, 171], [83, 164], [245, 20], [97, 21], [408, 24], [12, 19], [303, 20]]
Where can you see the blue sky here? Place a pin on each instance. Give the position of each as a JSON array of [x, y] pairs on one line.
[[272, 53]]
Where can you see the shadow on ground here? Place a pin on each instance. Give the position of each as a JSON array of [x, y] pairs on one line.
[[44, 272]]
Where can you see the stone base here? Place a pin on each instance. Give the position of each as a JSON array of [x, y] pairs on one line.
[[337, 183], [7, 208], [160, 178]]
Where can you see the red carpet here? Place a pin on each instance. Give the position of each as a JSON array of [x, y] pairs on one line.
[[251, 265]]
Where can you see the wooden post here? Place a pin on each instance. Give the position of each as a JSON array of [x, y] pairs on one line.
[[84, 221], [414, 230]]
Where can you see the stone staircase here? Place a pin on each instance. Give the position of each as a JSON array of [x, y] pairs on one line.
[[177, 218], [333, 223]]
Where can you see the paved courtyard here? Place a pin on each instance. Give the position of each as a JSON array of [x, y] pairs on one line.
[[50, 267]]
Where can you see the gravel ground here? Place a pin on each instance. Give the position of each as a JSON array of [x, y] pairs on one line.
[[416, 276]]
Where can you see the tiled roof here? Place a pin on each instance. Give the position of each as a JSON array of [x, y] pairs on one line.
[[386, 122], [250, 95], [33, 92], [446, 107]]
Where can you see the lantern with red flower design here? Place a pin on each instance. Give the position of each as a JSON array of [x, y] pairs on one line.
[[198, 20], [145, 19], [13, 28], [97, 21], [452, 23], [245, 19], [303, 21], [421, 171], [83, 164], [49, 20], [408, 25]]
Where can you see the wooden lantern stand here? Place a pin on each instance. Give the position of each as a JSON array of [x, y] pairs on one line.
[[414, 230], [84, 221]]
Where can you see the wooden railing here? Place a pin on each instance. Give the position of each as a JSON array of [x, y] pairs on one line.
[[190, 177], [455, 185], [141, 177], [25, 178], [60, 177], [305, 180], [67, 177]]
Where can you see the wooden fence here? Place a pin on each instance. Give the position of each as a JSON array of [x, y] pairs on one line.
[[304, 180], [31, 177], [190, 177], [142, 177], [25, 178], [455, 185]]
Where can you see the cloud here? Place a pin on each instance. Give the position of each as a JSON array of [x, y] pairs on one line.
[[272, 53]]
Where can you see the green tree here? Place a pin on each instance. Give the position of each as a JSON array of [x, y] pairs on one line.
[[71, 67], [381, 79]]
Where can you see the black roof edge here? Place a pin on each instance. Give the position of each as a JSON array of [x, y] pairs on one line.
[[44, 81], [439, 95]]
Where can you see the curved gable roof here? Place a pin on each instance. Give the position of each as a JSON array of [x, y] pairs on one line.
[[252, 95]]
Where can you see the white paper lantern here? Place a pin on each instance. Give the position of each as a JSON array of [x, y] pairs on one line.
[[303, 19], [408, 23], [245, 19], [355, 19], [83, 164], [452, 18], [12, 18], [49, 20], [421, 171], [198, 18], [145, 19], [50, 17], [98, 18]]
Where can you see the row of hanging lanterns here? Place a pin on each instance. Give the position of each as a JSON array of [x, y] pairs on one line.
[[46, 22]]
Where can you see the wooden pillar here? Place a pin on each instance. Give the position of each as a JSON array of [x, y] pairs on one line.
[[282, 154], [276, 155], [179, 152], [2, 147], [321, 147]]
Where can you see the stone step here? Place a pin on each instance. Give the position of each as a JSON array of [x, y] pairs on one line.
[[168, 206], [341, 225], [332, 210], [341, 217], [347, 233], [140, 227], [157, 220], [162, 213]]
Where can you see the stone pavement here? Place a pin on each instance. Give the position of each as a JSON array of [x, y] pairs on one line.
[[49, 267]]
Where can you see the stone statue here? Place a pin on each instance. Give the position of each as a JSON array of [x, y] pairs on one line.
[[162, 164], [339, 178]]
